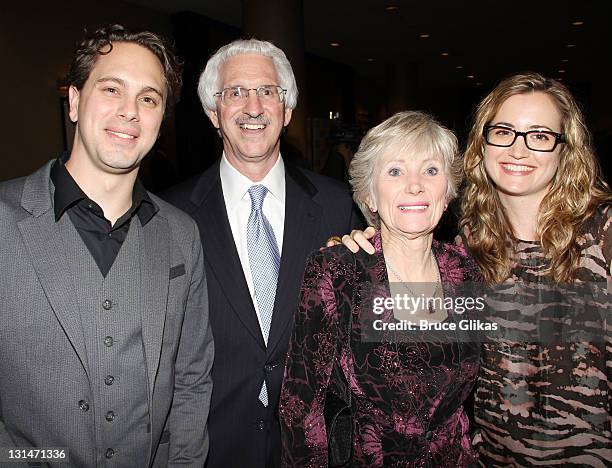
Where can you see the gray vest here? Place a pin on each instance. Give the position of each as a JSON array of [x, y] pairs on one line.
[[111, 321]]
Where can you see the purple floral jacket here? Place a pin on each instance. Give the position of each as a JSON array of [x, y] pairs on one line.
[[407, 396]]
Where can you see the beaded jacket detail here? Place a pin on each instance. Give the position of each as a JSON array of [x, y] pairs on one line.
[[407, 396]]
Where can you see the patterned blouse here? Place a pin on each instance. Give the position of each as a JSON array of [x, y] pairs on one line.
[[407, 396], [543, 392]]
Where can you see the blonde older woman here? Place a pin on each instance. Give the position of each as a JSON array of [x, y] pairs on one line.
[[406, 394]]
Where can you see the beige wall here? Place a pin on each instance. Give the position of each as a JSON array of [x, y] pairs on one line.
[[37, 40]]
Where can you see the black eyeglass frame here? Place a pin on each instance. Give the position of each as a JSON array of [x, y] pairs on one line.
[[282, 92], [559, 138]]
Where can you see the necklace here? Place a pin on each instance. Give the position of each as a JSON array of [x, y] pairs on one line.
[[430, 307]]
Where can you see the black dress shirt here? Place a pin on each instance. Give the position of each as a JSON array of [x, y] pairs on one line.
[[102, 239]]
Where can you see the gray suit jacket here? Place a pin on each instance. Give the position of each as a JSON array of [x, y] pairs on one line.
[[44, 372]]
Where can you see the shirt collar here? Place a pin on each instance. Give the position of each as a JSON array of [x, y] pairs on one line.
[[236, 185], [68, 193], [142, 203]]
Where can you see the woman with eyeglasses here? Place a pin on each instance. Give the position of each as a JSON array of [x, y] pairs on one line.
[[535, 216]]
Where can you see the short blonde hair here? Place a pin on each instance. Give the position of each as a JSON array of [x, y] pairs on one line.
[[408, 130]]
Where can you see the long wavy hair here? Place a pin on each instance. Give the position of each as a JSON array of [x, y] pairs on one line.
[[575, 192]]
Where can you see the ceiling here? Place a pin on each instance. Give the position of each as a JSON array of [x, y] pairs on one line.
[[485, 41]]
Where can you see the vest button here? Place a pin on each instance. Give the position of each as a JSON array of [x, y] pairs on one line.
[[107, 304], [83, 405], [109, 379], [110, 416], [110, 453], [108, 341], [260, 424]]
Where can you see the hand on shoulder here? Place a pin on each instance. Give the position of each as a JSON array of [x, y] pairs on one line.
[[355, 240]]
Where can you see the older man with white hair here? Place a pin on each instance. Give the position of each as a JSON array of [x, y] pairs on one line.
[[259, 218]]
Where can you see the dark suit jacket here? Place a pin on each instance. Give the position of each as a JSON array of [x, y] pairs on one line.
[[45, 378], [242, 432]]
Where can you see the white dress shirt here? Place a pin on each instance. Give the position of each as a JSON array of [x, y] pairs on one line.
[[235, 188]]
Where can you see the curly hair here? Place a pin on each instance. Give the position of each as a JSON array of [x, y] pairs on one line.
[[408, 131], [575, 192], [100, 42]]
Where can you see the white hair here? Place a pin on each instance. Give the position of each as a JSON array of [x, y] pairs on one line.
[[208, 84], [410, 132]]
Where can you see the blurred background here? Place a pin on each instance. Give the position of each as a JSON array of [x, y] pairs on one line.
[[356, 63]]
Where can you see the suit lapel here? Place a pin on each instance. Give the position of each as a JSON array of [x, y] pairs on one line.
[[154, 244], [42, 237], [220, 249], [302, 224]]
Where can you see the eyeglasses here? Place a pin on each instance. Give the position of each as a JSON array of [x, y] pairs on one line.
[[238, 94], [535, 140]]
